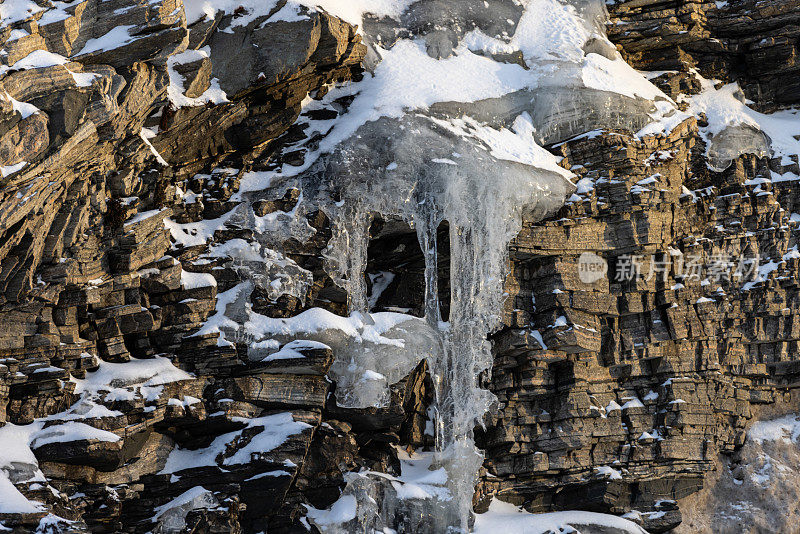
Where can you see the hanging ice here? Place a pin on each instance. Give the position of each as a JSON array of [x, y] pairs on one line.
[[447, 127], [427, 171]]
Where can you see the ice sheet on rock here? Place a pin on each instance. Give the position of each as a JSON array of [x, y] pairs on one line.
[[785, 429], [564, 46], [734, 128], [371, 351], [416, 501], [228, 302], [270, 270], [356, 180], [171, 517], [364, 371], [430, 140], [438, 172], [373, 501]]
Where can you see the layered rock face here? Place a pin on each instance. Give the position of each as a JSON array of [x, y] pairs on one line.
[[177, 269], [753, 43]]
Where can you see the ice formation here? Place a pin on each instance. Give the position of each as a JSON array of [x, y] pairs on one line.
[[732, 128], [447, 127], [171, 517]]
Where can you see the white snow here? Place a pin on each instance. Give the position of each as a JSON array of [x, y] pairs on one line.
[[351, 11], [726, 107], [185, 497], [219, 321], [70, 431], [13, 11], [196, 233], [14, 502], [146, 135], [507, 518], [191, 280], [15, 451], [39, 59], [151, 372], [786, 429], [318, 320], [651, 395], [176, 90], [419, 479], [83, 79], [608, 472], [199, 9], [116, 37], [277, 429], [172, 515], [7, 170], [143, 216], [23, 108], [290, 351], [632, 402], [343, 510]]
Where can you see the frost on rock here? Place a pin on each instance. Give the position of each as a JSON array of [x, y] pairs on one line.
[[757, 489]]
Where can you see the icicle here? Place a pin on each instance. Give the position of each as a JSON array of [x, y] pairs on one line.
[[346, 255], [426, 171], [427, 225]]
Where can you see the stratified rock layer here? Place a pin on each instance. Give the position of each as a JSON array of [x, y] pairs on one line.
[[122, 162]]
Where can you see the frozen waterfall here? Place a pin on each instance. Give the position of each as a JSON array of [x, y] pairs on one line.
[[446, 127]]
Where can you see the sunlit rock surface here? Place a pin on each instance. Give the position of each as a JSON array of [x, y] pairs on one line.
[[292, 265]]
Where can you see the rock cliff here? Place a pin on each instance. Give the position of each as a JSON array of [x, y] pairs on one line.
[[258, 262]]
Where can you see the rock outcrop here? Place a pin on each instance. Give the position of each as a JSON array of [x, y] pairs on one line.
[[140, 231]]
